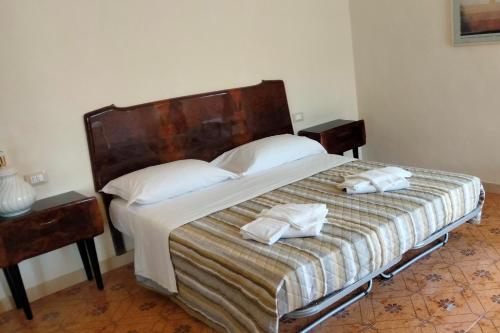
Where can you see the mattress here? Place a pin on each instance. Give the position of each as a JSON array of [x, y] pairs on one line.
[[244, 286], [151, 225]]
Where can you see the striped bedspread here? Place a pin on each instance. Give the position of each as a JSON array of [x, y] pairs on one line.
[[243, 286]]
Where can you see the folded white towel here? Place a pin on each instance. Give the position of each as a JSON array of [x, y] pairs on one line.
[[264, 230], [312, 231], [376, 180], [300, 216], [379, 179], [396, 171], [269, 231], [364, 186]]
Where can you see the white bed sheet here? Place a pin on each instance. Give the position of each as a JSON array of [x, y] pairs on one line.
[[151, 225]]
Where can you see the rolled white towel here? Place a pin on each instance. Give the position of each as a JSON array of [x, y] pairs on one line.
[[299, 216], [376, 180], [396, 171], [264, 230], [269, 231], [364, 186], [312, 231], [379, 179]]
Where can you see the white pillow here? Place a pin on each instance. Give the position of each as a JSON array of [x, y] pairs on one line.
[[160, 182], [267, 153]]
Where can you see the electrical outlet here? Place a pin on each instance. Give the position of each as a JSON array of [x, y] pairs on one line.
[[36, 178], [299, 116]]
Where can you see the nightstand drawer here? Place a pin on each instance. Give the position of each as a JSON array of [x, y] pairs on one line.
[[49, 230]]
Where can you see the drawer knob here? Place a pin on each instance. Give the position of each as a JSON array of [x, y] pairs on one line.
[[48, 222]]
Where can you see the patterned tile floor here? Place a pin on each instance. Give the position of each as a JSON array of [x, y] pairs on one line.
[[456, 289]]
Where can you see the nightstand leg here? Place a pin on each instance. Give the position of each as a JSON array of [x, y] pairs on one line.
[[95, 262], [12, 287], [85, 259], [21, 292], [355, 152]]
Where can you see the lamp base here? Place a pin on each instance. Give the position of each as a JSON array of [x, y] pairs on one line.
[[24, 211]]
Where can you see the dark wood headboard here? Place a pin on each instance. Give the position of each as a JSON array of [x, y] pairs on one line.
[[125, 139]]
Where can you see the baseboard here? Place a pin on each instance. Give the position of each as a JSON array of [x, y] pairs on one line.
[[67, 280], [492, 188]]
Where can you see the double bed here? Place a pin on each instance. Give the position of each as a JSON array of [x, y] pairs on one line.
[[189, 247]]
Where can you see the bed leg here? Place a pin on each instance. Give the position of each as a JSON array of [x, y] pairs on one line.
[[390, 275], [338, 308]]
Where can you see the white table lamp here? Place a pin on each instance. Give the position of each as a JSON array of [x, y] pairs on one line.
[[16, 196]]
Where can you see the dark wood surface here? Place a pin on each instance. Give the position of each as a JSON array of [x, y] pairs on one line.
[[338, 136], [125, 139], [52, 223], [329, 125]]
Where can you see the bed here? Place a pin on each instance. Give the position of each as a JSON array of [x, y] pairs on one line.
[[237, 285]]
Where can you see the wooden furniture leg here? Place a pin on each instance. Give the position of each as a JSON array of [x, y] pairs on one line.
[[94, 262], [12, 287], [21, 292], [85, 259], [355, 152]]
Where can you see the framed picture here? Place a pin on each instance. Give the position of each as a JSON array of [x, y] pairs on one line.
[[476, 21]]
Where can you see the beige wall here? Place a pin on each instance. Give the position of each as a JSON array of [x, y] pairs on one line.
[[60, 59], [425, 102]]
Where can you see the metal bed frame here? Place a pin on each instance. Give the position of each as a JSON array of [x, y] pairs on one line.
[[386, 272]]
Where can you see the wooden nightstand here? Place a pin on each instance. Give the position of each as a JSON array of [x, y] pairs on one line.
[[52, 223], [338, 136]]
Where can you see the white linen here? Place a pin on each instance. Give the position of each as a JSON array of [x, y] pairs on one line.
[[287, 221], [268, 230], [267, 153], [377, 180], [150, 225], [265, 230], [300, 216], [159, 182], [397, 171], [380, 180], [312, 231], [361, 187]]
